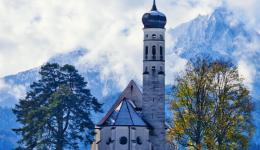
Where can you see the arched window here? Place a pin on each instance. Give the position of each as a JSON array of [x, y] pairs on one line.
[[154, 36], [161, 53], [161, 37], [146, 70], [161, 72], [154, 52], [146, 52]]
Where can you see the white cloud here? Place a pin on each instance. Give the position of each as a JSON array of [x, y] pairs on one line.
[[33, 31], [175, 66], [18, 91], [247, 71], [246, 11], [247, 55]]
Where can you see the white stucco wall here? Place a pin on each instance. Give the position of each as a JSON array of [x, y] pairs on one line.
[[115, 133]]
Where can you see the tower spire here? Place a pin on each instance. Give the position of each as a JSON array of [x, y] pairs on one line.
[[154, 8]]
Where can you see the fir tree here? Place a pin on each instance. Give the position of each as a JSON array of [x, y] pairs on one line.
[[56, 112]]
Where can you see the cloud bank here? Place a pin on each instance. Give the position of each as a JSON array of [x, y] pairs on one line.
[[33, 31]]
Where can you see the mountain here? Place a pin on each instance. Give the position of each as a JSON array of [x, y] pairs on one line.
[[220, 35], [8, 122], [15, 86]]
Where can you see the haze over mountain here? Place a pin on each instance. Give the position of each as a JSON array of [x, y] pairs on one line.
[[220, 35]]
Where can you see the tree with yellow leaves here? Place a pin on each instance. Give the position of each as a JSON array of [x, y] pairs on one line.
[[212, 107]]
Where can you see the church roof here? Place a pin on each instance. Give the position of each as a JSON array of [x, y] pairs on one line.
[[125, 115], [131, 95]]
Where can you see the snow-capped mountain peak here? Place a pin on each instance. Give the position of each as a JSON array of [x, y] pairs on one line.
[[217, 34]]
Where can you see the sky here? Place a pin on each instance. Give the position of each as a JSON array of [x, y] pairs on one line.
[[32, 31]]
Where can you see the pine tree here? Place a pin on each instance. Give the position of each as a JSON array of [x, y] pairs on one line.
[[56, 112], [212, 107]]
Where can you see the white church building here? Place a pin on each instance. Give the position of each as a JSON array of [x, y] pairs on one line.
[[137, 119]]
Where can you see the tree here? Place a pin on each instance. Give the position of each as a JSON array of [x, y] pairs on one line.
[[212, 107], [56, 112]]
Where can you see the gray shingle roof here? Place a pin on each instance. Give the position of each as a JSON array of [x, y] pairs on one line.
[[125, 115]]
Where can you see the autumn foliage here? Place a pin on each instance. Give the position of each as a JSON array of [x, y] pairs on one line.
[[211, 107]]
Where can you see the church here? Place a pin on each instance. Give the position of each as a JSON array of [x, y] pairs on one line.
[[136, 121]]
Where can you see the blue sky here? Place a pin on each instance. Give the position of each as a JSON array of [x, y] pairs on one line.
[[31, 31]]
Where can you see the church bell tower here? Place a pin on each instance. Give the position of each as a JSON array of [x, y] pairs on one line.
[[154, 75]]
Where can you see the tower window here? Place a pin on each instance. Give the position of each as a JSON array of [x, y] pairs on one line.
[[146, 70], [154, 36], [161, 53], [146, 35], [161, 37], [161, 50], [161, 71], [146, 52], [154, 52], [153, 70]]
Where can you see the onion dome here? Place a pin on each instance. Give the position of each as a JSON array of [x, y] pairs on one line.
[[154, 18]]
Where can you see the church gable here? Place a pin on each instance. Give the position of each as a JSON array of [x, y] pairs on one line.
[[134, 96], [124, 115]]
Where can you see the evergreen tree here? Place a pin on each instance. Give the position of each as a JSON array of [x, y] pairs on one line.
[[212, 107], [56, 112]]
